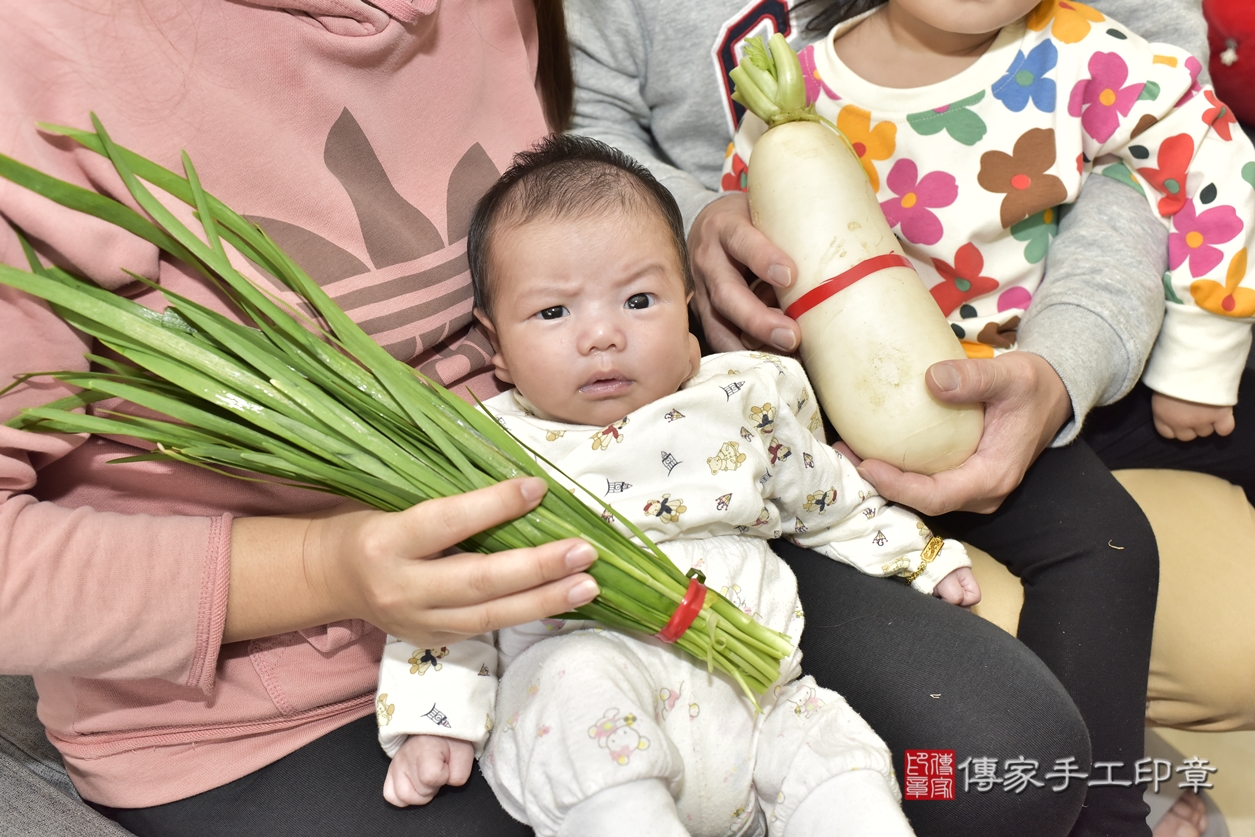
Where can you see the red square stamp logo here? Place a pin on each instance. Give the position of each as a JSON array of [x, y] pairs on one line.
[[928, 774]]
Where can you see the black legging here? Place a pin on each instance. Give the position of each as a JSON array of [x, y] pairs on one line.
[[927, 675], [1086, 556], [332, 787], [1089, 565]]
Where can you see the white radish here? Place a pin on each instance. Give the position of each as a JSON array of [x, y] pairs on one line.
[[870, 328]]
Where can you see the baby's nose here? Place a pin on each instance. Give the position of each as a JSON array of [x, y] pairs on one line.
[[603, 335]]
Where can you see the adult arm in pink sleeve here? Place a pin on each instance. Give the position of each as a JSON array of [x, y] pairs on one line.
[[88, 593], [127, 571], [119, 595]]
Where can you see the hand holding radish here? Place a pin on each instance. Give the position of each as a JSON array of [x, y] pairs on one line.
[[723, 243], [1037, 403], [1025, 405]]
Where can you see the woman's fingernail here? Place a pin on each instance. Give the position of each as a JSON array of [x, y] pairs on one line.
[[779, 275], [580, 556], [783, 339], [865, 475], [582, 593], [944, 376], [533, 489]]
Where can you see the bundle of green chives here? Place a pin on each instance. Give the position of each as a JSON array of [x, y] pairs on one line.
[[327, 409]]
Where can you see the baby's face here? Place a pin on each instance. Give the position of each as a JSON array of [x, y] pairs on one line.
[[590, 317]]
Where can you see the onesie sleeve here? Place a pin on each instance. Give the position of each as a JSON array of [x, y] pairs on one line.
[[1181, 147], [826, 506], [88, 593], [448, 691]]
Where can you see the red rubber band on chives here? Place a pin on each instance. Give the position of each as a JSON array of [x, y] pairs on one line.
[[685, 612], [834, 285]]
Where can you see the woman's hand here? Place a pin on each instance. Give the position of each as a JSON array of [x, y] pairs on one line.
[[389, 568], [723, 244], [1025, 405]]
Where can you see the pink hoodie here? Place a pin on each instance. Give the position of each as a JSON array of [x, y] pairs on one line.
[[360, 137]]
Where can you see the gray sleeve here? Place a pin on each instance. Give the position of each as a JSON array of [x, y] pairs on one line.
[[610, 55], [1096, 314]]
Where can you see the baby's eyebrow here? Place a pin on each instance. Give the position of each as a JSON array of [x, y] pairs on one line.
[[646, 269], [554, 287], [558, 289]]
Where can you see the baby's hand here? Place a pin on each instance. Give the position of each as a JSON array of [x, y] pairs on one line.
[[425, 764], [1186, 420], [959, 588]]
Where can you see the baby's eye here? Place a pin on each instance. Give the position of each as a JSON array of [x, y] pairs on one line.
[[552, 313], [638, 301]]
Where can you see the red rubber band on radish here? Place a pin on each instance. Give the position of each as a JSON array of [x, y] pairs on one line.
[[685, 612], [836, 284]]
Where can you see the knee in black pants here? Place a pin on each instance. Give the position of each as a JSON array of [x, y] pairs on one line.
[[927, 675], [1089, 563]]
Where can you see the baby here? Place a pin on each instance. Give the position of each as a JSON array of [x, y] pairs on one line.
[[582, 283]]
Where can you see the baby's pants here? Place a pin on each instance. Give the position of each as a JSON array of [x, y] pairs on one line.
[[583, 712]]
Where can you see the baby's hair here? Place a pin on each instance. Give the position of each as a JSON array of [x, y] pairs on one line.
[[828, 13], [562, 177]]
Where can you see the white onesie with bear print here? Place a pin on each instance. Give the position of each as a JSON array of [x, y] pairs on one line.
[[710, 473]]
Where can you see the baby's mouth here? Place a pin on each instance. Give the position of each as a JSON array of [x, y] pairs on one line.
[[605, 385]]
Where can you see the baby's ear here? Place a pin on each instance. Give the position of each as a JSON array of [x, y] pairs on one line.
[[695, 355], [499, 364]]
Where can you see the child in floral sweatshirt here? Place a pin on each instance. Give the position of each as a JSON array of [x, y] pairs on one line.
[[582, 283], [989, 117], [971, 170]]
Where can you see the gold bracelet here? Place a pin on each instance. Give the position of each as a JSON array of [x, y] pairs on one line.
[[926, 556]]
